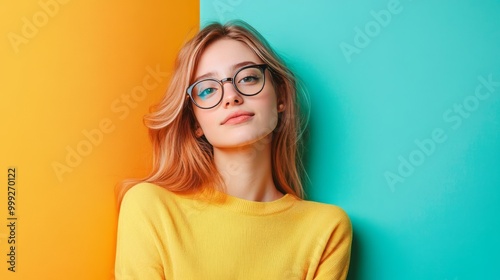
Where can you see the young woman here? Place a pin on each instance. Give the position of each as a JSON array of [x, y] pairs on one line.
[[224, 199]]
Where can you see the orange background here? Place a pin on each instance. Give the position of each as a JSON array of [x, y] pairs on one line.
[[76, 79]]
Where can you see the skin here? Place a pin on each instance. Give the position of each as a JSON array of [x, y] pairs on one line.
[[242, 148]]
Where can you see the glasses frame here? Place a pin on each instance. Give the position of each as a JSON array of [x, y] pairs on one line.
[[262, 68]]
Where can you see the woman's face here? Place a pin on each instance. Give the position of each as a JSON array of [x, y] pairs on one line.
[[254, 117]]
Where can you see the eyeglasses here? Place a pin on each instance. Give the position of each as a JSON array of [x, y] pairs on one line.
[[248, 81]]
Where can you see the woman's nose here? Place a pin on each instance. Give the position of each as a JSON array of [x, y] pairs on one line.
[[231, 96]]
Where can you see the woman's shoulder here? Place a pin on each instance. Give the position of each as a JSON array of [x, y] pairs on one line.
[[324, 212], [144, 189], [145, 194], [323, 207]]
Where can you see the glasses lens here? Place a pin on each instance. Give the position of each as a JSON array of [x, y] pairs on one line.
[[250, 81], [207, 93]]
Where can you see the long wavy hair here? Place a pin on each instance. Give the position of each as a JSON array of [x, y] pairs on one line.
[[183, 162]]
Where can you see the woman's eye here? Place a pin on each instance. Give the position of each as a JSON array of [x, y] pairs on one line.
[[206, 93], [249, 79]]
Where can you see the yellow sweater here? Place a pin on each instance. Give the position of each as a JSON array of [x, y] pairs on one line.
[[165, 235]]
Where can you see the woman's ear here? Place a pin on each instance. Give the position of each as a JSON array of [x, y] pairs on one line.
[[281, 102], [281, 107], [198, 131]]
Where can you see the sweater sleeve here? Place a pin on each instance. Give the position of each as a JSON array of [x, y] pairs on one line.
[[334, 263], [137, 254]]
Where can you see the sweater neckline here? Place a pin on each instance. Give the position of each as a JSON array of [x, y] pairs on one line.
[[259, 208]]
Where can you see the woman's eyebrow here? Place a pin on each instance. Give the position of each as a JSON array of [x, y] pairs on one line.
[[232, 69]]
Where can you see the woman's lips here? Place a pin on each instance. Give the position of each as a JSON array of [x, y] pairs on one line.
[[237, 117]]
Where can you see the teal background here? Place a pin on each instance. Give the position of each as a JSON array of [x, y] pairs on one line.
[[440, 221]]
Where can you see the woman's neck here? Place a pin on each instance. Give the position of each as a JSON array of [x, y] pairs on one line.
[[247, 171]]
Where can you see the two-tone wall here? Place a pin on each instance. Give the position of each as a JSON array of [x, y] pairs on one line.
[[404, 129]]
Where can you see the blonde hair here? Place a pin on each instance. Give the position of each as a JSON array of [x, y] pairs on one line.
[[183, 162]]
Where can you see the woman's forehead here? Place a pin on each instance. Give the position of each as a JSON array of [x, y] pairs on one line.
[[223, 56]]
